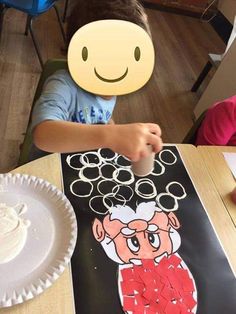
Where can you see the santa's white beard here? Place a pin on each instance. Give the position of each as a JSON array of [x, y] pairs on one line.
[[110, 249], [175, 239]]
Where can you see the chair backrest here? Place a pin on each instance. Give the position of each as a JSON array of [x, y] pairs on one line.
[[32, 7], [50, 67], [35, 5], [191, 136]]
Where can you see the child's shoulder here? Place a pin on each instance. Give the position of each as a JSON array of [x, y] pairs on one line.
[[61, 80], [227, 105], [64, 76], [223, 112]]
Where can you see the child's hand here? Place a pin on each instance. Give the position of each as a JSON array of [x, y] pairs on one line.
[[131, 140]]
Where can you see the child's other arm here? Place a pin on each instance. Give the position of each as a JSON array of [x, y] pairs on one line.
[[126, 139], [219, 124]]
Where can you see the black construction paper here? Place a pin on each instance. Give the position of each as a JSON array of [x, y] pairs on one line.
[[95, 275]]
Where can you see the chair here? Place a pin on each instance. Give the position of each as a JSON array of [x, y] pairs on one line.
[[33, 8], [214, 60], [191, 136], [50, 67], [65, 11]]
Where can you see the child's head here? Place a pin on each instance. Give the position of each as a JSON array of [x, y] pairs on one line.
[[86, 11], [110, 48]]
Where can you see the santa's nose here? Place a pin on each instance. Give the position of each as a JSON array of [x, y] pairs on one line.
[[138, 225]]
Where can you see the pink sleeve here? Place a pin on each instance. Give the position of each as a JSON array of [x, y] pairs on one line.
[[219, 124]]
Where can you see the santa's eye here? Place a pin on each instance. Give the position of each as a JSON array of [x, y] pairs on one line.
[[154, 240], [133, 244], [85, 53]]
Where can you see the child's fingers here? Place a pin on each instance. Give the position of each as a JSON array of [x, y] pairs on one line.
[[154, 128], [146, 151], [134, 157], [142, 153], [156, 143]]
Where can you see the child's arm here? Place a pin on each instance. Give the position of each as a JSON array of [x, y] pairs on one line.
[[219, 124], [128, 139]]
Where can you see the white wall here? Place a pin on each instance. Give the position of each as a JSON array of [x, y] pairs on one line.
[[223, 83], [228, 9]]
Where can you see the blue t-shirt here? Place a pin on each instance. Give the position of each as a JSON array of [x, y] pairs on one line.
[[63, 100]]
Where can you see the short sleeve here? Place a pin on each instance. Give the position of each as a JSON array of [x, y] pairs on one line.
[[57, 99], [219, 124]]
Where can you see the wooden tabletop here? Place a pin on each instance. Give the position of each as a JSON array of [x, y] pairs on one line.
[[220, 173], [211, 200], [58, 298]]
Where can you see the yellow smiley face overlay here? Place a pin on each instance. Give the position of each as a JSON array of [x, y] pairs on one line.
[[111, 57]]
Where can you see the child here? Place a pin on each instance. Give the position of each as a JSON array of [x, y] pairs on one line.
[[219, 125], [59, 120]]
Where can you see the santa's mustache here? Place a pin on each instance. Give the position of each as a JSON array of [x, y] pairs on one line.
[[157, 259]]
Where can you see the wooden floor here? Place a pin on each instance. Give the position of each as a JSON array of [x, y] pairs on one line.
[[182, 44]]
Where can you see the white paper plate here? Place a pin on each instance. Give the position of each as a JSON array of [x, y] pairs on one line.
[[50, 240]]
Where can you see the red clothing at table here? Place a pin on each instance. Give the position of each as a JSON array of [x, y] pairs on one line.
[[219, 125]]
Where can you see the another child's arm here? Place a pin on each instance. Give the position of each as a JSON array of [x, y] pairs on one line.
[[126, 139], [219, 124]]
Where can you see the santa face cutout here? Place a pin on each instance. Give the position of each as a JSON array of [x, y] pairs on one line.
[[128, 236]]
